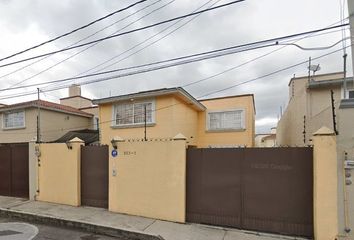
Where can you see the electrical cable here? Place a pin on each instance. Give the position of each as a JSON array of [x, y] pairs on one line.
[[210, 93], [121, 34], [147, 39], [82, 39], [73, 31], [90, 46], [222, 51]]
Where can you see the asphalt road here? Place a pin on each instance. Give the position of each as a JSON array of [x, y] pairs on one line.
[[17, 230]]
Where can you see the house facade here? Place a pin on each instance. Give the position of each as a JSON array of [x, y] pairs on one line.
[[19, 121], [218, 122], [310, 108]]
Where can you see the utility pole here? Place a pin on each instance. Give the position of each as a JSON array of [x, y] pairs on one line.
[[351, 23], [145, 122], [345, 75], [38, 118], [309, 72]]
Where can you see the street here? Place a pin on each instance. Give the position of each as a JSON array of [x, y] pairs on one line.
[[17, 230]]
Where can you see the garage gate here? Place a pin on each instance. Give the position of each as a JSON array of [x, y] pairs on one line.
[[260, 189], [14, 173]]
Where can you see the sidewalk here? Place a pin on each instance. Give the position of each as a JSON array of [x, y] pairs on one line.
[[124, 225]]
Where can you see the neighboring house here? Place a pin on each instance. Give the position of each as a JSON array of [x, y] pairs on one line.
[[267, 139], [19, 121], [217, 122], [75, 100], [310, 108]]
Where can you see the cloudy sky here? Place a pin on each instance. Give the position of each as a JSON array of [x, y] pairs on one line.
[[24, 23]]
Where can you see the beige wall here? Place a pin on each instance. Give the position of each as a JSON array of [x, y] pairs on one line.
[[174, 116], [315, 104], [76, 102], [265, 140], [59, 173], [169, 122], [150, 180], [53, 126], [325, 186], [345, 144], [232, 138]]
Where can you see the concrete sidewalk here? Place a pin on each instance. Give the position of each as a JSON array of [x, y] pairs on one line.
[[124, 225]]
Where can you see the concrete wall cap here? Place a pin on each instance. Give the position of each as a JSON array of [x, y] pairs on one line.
[[324, 131], [179, 136], [76, 140]]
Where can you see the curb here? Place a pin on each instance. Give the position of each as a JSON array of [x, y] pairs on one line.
[[90, 227]]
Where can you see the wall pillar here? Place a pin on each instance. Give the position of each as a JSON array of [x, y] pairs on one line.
[[325, 184], [32, 167]]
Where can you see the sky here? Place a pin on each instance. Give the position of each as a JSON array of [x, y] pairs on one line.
[[25, 23]]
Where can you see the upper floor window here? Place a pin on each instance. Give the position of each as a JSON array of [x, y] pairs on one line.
[[351, 93], [14, 120], [134, 113], [226, 120]]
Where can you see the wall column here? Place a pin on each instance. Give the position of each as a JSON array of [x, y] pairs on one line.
[[325, 184], [32, 168]]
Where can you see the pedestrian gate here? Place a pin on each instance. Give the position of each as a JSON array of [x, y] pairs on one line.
[[261, 189], [14, 173], [94, 176]]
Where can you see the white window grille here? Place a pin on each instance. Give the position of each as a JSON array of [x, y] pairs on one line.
[[226, 120], [14, 120], [133, 113]]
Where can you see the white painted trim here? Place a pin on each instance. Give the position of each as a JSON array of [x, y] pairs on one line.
[[153, 111], [243, 120], [14, 128]]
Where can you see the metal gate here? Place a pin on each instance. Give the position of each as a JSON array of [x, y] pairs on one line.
[[14, 175], [261, 189], [94, 176]]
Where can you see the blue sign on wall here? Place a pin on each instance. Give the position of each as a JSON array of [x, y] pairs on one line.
[[114, 153]]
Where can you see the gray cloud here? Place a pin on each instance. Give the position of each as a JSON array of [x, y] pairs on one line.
[[25, 23]]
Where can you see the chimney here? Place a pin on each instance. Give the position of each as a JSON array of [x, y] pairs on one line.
[[74, 90]]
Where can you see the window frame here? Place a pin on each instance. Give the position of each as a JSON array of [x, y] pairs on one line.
[[127, 125], [243, 120], [4, 114], [350, 90]]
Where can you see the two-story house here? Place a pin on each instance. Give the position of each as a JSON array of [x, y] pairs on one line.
[[310, 108], [19, 121], [164, 113]]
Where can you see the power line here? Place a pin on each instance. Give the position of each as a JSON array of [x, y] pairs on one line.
[[272, 73], [210, 93], [90, 46], [73, 31], [186, 59], [146, 70], [232, 68], [121, 34], [147, 39], [82, 39]]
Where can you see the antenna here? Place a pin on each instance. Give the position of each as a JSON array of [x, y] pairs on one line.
[[314, 68]]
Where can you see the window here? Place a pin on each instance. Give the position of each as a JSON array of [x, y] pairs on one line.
[[226, 120], [133, 113], [14, 120], [351, 93]]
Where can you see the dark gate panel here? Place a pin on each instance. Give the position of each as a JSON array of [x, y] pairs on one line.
[[5, 170], [94, 176], [262, 189], [214, 186], [14, 169], [20, 171], [277, 190]]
